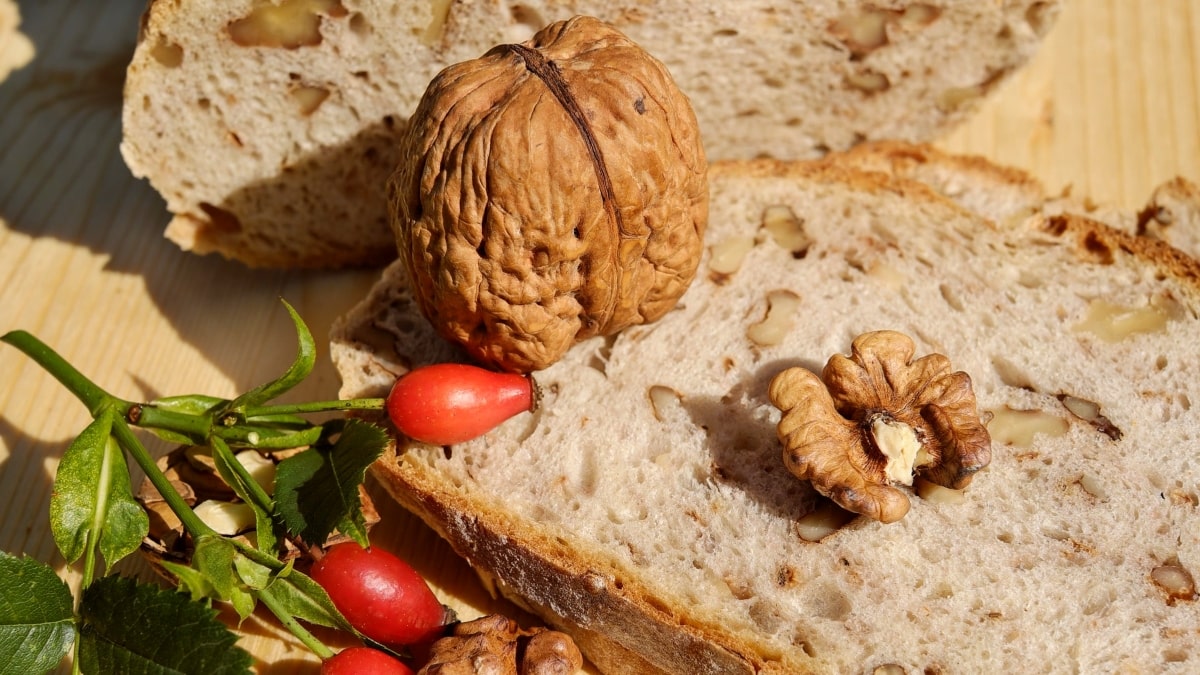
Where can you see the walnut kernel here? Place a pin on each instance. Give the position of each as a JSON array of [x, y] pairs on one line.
[[780, 316], [878, 419], [1174, 580], [291, 24], [786, 229], [862, 32], [554, 190], [496, 645]]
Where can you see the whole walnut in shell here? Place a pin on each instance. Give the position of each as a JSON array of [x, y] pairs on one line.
[[551, 191]]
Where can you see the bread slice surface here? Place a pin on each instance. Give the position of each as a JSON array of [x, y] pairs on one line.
[[645, 507], [272, 146]]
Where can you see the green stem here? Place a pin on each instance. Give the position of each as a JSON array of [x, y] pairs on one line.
[[84, 389], [315, 407], [148, 416], [134, 448], [254, 491], [285, 617]]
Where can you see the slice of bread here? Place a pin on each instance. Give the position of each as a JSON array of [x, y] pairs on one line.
[[270, 126], [646, 510]]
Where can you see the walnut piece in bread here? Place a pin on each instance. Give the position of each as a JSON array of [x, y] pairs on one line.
[[876, 419]]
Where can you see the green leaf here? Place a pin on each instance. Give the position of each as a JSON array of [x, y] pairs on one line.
[[190, 580], [316, 491], [254, 575], [304, 599], [214, 558], [37, 626], [92, 499], [306, 357], [132, 628]]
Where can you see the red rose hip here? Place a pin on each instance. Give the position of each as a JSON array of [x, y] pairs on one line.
[[449, 403], [363, 661], [380, 595]]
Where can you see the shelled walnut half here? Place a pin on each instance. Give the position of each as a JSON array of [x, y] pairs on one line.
[[877, 419], [550, 191], [496, 645]]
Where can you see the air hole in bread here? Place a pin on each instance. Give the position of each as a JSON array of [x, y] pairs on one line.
[[168, 54], [1011, 374], [1175, 655], [766, 616], [951, 297], [941, 591], [826, 600], [359, 25]]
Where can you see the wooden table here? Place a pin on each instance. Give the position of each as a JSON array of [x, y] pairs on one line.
[[1109, 108]]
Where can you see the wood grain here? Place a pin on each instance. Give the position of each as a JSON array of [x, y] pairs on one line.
[[1109, 108]]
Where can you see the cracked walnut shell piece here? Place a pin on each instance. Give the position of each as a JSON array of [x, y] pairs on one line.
[[875, 419], [551, 191]]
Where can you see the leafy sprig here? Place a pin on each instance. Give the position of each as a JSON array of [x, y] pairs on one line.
[[94, 517]]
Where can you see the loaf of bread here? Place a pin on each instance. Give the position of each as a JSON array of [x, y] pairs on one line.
[[270, 126], [645, 508]]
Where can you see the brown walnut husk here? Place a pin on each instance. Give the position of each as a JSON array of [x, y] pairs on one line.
[[826, 427], [551, 191]]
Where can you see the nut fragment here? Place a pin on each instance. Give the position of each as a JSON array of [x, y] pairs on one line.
[[664, 402], [290, 24], [309, 98], [862, 32], [781, 311], [1090, 412], [825, 519], [875, 420], [726, 256], [496, 645], [191, 471], [786, 229], [1174, 580], [1009, 426], [226, 518], [556, 190], [1112, 322], [868, 81]]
